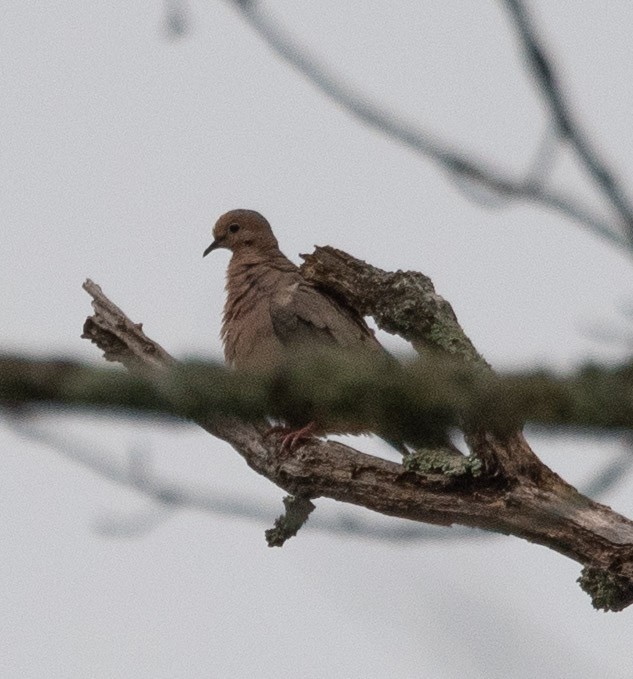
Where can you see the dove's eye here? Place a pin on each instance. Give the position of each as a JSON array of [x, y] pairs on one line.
[[234, 228]]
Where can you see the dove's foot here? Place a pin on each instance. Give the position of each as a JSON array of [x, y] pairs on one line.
[[293, 437]]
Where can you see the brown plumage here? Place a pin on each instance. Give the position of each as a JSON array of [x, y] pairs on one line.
[[270, 307]]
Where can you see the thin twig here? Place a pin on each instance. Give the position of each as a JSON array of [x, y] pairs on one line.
[[424, 143], [549, 86]]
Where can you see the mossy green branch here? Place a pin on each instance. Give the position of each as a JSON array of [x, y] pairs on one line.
[[418, 401], [297, 511], [402, 303], [608, 591]]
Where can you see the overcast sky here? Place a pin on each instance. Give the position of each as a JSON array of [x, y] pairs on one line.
[[120, 149]]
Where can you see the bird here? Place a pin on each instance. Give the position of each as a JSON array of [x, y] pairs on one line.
[[271, 308]]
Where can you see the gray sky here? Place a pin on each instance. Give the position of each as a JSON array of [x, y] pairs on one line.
[[120, 148]]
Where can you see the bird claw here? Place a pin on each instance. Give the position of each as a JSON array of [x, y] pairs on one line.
[[293, 437]]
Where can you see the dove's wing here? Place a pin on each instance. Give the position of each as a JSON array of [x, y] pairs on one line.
[[302, 316]]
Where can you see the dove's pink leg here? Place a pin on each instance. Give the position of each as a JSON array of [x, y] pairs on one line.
[[293, 437]]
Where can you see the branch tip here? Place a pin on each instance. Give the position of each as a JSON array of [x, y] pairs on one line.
[[608, 591], [286, 526]]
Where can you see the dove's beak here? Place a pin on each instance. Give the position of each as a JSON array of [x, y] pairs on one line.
[[214, 246]]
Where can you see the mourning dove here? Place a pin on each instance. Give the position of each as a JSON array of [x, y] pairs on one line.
[[270, 307]]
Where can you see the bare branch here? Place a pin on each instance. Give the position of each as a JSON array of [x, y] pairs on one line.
[[176, 19], [121, 340], [542, 164], [451, 159], [612, 472], [167, 495], [549, 86]]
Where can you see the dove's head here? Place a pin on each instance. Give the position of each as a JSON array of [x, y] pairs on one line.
[[239, 230]]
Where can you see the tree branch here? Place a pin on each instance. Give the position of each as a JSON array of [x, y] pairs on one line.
[[453, 160], [406, 303], [168, 494], [520, 497], [420, 400], [402, 303], [549, 86]]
